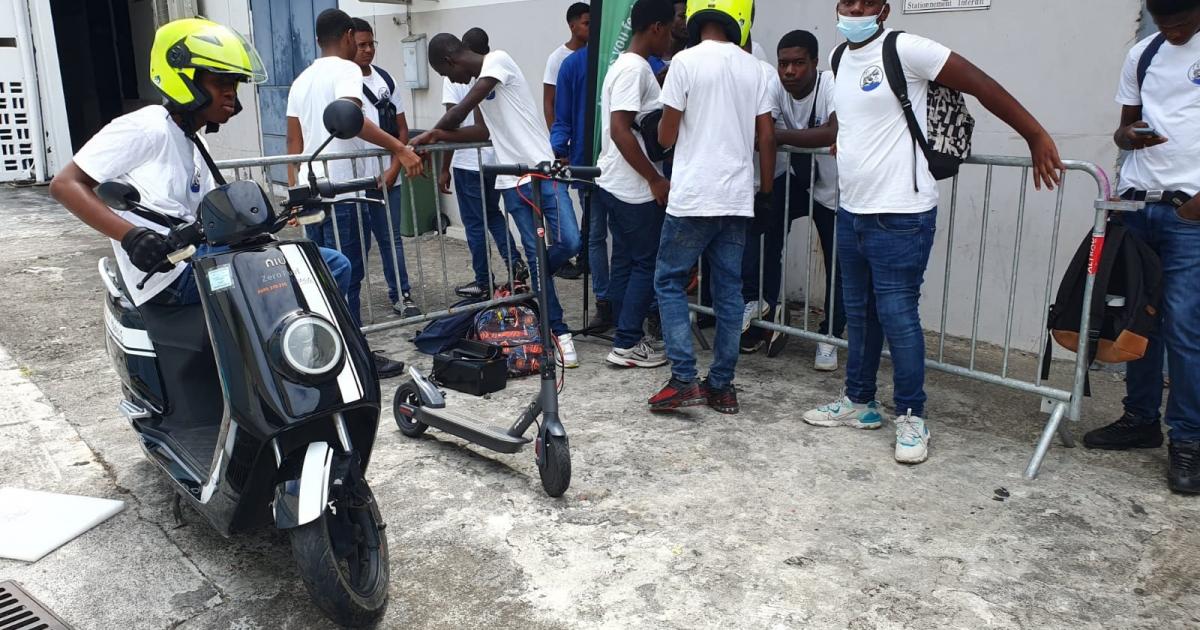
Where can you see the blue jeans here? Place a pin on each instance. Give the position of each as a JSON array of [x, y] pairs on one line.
[[564, 232], [1177, 242], [471, 208], [392, 257], [598, 219], [185, 292], [636, 229], [346, 237], [721, 240], [883, 259]]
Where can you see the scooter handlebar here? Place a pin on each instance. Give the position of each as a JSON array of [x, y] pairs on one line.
[[333, 189]]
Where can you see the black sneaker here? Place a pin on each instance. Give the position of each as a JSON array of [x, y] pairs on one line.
[[752, 341], [520, 271], [1124, 434], [777, 341], [723, 400], [569, 271], [1183, 473], [473, 290], [406, 307], [654, 326], [677, 394], [387, 368], [604, 316]]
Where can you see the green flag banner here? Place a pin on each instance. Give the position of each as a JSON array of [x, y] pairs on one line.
[[612, 39]]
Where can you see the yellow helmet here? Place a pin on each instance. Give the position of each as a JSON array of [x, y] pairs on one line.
[[734, 15], [184, 46]]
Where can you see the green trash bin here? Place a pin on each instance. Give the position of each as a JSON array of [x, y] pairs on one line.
[[423, 192]]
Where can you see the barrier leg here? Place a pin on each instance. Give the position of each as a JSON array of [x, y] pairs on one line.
[[1043, 445]]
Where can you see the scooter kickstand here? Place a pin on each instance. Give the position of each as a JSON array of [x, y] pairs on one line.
[[177, 511]]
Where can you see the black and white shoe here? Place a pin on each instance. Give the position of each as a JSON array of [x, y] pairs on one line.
[[406, 307], [642, 355], [473, 291]]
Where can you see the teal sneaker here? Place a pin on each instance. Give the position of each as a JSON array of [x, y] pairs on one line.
[[845, 413], [912, 439]]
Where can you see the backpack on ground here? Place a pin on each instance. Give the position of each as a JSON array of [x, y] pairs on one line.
[[513, 327], [444, 333], [386, 108], [947, 142], [1125, 299]]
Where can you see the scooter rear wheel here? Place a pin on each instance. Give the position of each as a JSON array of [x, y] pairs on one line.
[[555, 465], [343, 560], [407, 399]]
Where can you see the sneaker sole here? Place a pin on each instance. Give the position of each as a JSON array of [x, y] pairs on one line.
[[633, 363], [679, 404], [729, 411], [843, 423], [1122, 447], [916, 460], [825, 368]]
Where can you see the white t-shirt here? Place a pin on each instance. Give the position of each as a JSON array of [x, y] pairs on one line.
[[1171, 106], [518, 132], [324, 81], [756, 49], [467, 159], [629, 86], [795, 114], [720, 90], [148, 151], [774, 90], [375, 83], [875, 149], [554, 62]]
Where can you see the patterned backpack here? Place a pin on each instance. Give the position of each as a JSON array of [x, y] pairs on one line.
[[949, 123], [513, 327]]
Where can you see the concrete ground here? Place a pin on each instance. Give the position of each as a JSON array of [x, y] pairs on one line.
[[688, 521]]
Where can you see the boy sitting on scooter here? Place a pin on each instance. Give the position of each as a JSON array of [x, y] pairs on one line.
[[197, 66]]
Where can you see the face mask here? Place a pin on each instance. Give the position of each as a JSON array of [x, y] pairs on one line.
[[858, 29]]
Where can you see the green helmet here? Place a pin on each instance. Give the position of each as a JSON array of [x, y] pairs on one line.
[[184, 46]]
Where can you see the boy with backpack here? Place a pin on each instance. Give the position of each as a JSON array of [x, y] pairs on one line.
[[511, 121], [715, 105], [889, 197], [1160, 128], [631, 189], [385, 108]]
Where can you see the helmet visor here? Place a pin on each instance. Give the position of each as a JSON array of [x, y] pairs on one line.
[[225, 51]]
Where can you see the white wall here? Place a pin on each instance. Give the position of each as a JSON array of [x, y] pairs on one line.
[[1063, 68]]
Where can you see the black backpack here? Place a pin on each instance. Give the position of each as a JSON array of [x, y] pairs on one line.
[[949, 123], [648, 128], [1125, 299], [385, 107], [1148, 57]]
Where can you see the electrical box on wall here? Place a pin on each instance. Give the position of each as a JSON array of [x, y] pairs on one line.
[[416, 62]]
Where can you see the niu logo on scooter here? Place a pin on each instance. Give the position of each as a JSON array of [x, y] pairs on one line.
[[275, 262]]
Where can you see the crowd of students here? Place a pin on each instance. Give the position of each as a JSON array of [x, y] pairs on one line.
[[700, 82]]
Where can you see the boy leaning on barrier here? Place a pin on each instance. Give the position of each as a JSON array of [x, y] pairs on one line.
[[631, 190], [715, 105], [1159, 93], [332, 76], [511, 121], [888, 209]]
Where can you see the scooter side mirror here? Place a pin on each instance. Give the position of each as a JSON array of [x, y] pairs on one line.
[[343, 119], [118, 195]]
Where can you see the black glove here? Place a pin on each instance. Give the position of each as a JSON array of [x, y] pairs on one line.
[[762, 211], [147, 249]]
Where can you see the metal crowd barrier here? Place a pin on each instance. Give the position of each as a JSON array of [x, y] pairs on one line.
[[1059, 403], [259, 169]]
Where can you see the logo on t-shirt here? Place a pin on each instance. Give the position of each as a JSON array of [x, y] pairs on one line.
[[492, 95], [1194, 73], [872, 78]]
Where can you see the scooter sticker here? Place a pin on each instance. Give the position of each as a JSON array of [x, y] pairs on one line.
[[220, 278]]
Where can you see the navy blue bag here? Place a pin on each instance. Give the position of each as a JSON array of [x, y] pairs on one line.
[[444, 333]]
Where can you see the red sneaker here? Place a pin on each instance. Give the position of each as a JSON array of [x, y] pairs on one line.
[[677, 394], [722, 400]]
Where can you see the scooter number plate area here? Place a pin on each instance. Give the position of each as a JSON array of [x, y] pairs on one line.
[[220, 278]]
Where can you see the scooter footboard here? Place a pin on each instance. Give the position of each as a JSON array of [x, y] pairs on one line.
[[302, 500]]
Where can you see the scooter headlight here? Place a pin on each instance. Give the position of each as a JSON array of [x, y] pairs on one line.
[[311, 346]]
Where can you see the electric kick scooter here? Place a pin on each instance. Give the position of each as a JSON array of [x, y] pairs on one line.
[[419, 404]]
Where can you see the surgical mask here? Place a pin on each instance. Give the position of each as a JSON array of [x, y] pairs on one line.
[[858, 29]]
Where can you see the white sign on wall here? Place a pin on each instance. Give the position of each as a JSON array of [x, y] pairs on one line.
[[930, 6]]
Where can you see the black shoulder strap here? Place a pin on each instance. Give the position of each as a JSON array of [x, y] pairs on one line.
[[370, 96], [1148, 57], [387, 78], [837, 57], [212, 166], [812, 116], [894, 71]]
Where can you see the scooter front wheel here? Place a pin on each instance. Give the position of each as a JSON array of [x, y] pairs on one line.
[[554, 466], [408, 398], [343, 560]]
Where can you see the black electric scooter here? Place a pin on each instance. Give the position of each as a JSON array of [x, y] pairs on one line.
[[419, 404], [261, 404]]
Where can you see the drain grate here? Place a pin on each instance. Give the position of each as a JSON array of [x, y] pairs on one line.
[[21, 611]]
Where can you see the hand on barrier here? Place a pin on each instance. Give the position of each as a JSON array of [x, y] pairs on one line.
[[1048, 168]]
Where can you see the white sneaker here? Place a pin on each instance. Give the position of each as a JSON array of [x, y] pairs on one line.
[[845, 413], [912, 439], [641, 355], [827, 358], [752, 312], [567, 357]]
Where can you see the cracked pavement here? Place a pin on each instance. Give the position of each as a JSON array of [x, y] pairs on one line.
[[687, 521]]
